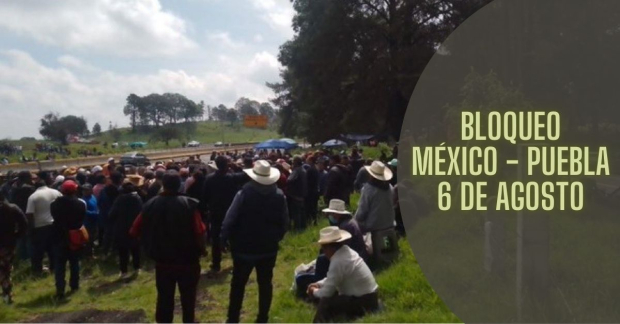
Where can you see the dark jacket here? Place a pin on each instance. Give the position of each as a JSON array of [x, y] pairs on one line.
[[168, 230], [106, 200], [123, 213], [13, 224], [337, 186], [297, 184], [219, 191], [312, 176], [20, 195], [69, 213], [257, 220], [356, 242]]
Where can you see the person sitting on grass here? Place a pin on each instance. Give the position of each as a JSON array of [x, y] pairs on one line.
[[350, 289]]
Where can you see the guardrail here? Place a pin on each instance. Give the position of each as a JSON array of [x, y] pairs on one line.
[[99, 160]]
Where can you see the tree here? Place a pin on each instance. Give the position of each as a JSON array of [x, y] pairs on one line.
[[352, 65], [231, 116], [132, 109], [267, 110], [166, 134], [246, 107], [57, 128], [96, 129]]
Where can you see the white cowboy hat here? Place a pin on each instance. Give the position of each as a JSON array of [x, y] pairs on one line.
[[332, 234], [336, 206], [379, 171], [263, 173], [212, 165]]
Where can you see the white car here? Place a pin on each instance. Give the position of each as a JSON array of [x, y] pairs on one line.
[[193, 144], [219, 144]]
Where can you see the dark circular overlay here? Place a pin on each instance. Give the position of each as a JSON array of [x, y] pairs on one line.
[[530, 265]]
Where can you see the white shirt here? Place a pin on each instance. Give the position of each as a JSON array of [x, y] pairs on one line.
[[348, 274], [39, 205]]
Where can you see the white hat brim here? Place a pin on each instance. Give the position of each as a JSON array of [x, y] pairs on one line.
[[344, 235], [341, 212], [274, 175], [386, 176]]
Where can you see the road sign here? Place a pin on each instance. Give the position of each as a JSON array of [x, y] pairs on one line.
[[255, 121]]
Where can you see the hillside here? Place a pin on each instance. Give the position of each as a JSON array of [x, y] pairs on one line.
[[207, 132]]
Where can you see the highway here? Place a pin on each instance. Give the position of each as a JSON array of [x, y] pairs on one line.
[[152, 155]]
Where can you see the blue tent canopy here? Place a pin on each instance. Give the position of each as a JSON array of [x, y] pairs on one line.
[[289, 140], [274, 144], [356, 137], [334, 143]]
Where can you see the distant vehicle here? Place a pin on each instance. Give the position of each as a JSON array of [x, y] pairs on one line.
[[135, 159], [114, 145], [193, 144], [135, 145], [218, 144]]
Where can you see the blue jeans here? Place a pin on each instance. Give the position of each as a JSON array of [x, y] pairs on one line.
[[63, 254], [320, 272]]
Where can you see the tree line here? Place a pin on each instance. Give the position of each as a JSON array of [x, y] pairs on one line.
[[161, 109], [353, 64]]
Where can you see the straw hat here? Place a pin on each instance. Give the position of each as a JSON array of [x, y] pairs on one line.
[[263, 173], [332, 234], [379, 171], [70, 172], [336, 206], [137, 180], [212, 165], [96, 168]]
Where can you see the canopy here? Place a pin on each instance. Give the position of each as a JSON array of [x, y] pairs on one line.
[[334, 143], [275, 144], [356, 137], [289, 140]]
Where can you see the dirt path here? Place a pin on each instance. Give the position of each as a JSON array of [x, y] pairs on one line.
[[92, 316]]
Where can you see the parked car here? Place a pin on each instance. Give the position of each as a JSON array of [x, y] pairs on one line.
[[135, 159], [218, 144], [193, 144]]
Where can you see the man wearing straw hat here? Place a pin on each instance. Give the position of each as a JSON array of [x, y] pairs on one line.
[[255, 224], [350, 289], [375, 210]]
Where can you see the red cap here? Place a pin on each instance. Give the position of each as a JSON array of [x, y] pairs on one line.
[[69, 187]]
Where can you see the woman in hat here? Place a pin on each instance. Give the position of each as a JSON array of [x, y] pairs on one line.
[[124, 212], [375, 210]]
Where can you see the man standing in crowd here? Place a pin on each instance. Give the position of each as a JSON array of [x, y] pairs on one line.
[[375, 209], [13, 225], [41, 220], [219, 191], [68, 212], [337, 181], [124, 211], [255, 224], [296, 192], [350, 289], [21, 191], [106, 200], [173, 236], [312, 198], [92, 216]]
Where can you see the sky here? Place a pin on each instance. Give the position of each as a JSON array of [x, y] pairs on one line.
[[84, 58]]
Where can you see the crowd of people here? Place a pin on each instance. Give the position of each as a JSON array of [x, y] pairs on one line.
[[240, 201]]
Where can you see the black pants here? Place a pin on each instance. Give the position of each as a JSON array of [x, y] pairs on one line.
[[215, 229], [296, 213], [312, 201], [42, 243], [349, 307], [123, 256], [166, 279], [63, 254], [243, 266]]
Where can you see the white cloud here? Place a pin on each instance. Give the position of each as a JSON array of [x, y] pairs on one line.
[[223, 39], [258, 38], [30, 89], [278, 14], [137, 28]]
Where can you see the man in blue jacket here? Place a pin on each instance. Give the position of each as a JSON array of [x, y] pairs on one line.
[[255, 224]]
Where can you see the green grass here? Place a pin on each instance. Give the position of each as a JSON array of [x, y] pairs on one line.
[[404, 291], [207, 132]]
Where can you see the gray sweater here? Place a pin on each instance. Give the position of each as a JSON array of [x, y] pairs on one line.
[[375, 210]]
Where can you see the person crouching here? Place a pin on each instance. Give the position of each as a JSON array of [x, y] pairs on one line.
[[350, 289]]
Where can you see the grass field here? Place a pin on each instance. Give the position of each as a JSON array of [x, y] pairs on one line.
[[205, 132], [404, 291]]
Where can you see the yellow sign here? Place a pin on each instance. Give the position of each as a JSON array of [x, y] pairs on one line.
[[255, 121]]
